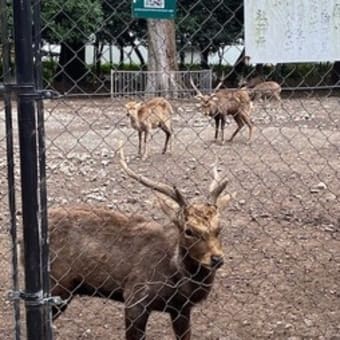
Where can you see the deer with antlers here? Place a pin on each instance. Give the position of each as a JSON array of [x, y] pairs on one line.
[[148, 266], [152, 114], [221, 103]]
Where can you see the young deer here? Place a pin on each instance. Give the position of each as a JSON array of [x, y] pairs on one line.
[[146, 265], [258, 88], [221, 103], [148, 115]]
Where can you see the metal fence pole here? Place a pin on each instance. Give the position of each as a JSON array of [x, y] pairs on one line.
[[42, 167], [25, 89], [10, 163]]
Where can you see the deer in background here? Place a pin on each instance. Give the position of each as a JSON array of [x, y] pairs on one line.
[[259, 88], [145, 116], [221, 103], [149, 266]]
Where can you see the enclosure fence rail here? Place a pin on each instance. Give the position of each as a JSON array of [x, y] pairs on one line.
[[136, 83]]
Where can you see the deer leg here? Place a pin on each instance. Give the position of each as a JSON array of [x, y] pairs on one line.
[[278, 98], [217, 126], [222, 128], [240, 125], [167, 138], [146, 145], [181, 324], [249, 123], [139, 143], [136, 319], [65, 296]]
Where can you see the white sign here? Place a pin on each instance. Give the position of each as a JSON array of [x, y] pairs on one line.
[[279, 31], [154, 4]]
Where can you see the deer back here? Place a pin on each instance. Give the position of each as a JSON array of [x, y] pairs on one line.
[[156, 111], [102, 248], [232, 101]]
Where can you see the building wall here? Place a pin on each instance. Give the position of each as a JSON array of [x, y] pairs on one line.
[[231, 53]]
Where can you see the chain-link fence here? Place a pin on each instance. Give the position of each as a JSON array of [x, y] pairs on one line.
[[142, 225]]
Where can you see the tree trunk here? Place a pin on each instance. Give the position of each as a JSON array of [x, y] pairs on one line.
[[110, 55], [71, 68], [204, 58], [99, 54], [220, 53], [138, 53], [121, 54], [162, 58], [182, 52], [335, 77]]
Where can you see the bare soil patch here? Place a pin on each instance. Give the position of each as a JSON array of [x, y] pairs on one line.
[[281, 234]]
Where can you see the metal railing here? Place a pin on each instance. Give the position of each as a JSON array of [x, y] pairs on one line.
[[135, 83]]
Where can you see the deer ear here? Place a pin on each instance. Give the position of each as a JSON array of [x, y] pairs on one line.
[[168, 206], [223, 201]]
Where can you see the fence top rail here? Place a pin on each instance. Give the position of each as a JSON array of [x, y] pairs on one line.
[[161, 72]]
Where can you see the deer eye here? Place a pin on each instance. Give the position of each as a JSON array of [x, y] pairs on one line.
[[189, 233], [218, 231]]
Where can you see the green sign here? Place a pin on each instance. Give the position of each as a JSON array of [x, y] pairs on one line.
[[154, 9]]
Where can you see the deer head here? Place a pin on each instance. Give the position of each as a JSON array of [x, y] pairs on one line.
[[198, 223], [207, 103], [133, 108]]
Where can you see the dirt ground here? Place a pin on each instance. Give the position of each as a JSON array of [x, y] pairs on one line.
[[281, 233]]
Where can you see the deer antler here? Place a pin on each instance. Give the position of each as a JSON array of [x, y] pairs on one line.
[[217, 186], [165, 189], [199, 93]]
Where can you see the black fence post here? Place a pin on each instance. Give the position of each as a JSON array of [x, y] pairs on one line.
[[42, 166], [25, 89], [10, 162]]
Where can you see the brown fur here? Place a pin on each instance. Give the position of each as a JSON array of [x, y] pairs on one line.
[[154, 113], [258, 88], [149, 266], [236, 103], [267, 89], [252, 82]]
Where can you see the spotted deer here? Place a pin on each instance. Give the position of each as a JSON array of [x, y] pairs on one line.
[[145, 116], [221, 103], [149, 266]]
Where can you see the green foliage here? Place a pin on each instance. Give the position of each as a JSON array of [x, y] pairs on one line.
[[304, 74], [210, 24], [70, 21], [119, 27], [49, 68]]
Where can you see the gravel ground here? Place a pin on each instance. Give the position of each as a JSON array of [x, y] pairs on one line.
[[281, 234]]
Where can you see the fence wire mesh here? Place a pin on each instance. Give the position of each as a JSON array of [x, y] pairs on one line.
[[113, 238]]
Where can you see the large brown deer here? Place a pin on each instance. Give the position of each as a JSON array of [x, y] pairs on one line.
[[149, 266], [221, 103], [152, 114]]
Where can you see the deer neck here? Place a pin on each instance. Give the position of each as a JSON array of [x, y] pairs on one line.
[[214, 111], [193, 280], [135, 123], [193, 270]]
